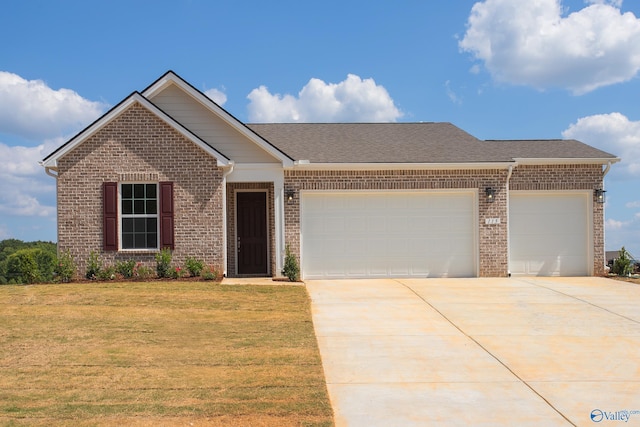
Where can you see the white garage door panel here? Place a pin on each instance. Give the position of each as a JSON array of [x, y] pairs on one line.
[[549, 234], [377, 234]]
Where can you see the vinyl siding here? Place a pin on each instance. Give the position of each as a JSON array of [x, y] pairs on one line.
[[199, 120]]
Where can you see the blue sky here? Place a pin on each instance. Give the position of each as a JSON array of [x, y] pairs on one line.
[[499, 69]]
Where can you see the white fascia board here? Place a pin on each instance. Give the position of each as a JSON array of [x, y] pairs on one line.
[[303, 165], [170, 77], [52, 162], [567, 161]]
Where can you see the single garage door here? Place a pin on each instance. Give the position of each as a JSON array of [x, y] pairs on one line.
[[549, 234], [388, 234]]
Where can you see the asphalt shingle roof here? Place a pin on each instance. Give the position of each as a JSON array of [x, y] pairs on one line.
[[409, 143]]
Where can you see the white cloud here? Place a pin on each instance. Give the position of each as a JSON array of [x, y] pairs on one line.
[[217, 96], [25, 205], [352, 100], [25, 190], [451, 94], [634, 204], [532, 43], [612, 224], [31, 109], [613, 133]]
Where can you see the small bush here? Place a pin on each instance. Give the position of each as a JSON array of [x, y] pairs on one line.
[[209, 273], [65, 269], [176, 273], [194, 266], [163, 263], [107, 273], [622, 265], [125, 268], [142, 272], [291, 268], [94, 266]]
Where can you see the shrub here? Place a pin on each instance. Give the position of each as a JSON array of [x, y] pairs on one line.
[[163, 263], [291, 268], [46, 264], [107, 273], [141, 271], [65, 269], [175, 273], [94, 266], [209, 273], [22, 267], [125, 268], [194, 266], [622, 265]]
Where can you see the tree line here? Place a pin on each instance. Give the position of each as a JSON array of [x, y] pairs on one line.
[[27, 262]]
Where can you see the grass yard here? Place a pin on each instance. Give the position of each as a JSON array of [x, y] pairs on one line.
[[159, 353]]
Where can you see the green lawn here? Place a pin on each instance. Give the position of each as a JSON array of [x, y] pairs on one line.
[[159, 353]]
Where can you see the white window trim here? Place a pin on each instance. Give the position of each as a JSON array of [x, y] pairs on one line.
[[121, 216]]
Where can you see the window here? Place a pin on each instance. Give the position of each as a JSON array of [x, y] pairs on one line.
[[139, 216]]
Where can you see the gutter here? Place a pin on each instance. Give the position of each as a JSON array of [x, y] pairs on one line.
[[49, 172], [307, 165]]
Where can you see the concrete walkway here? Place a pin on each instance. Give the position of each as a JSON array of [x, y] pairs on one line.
[[474, 352]]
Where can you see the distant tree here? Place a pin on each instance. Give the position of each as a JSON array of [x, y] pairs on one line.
[[26, 262], [622, 265]]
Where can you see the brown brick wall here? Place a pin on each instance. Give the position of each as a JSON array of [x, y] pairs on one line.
[[492, 238], [139, 147]]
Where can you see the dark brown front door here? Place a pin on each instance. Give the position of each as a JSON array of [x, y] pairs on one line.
[[252, 232]]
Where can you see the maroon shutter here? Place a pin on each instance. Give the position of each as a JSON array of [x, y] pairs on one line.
[[166, 215], [110, 216]]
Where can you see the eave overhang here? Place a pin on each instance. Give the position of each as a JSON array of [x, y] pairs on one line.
[[567, 161], [306, 165]]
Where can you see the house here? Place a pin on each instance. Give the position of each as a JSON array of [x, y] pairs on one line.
[[168, 167]]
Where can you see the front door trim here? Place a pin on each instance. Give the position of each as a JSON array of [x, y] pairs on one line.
[[267, 235]]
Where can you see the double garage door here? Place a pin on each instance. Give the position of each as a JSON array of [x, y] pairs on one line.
[[434, 234], [388, 234]]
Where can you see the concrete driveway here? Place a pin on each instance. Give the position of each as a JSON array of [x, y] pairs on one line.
[[531, 351]]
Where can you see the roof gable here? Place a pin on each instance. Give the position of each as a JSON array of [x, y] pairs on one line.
[[172, 79], [51, 161]]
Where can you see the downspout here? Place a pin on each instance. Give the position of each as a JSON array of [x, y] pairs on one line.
[[50, 172], [605, 172], [604, 248], [224, 217], [509, 173]]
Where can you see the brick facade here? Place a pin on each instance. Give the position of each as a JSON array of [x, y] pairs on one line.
[[492, 238], [139, 147]]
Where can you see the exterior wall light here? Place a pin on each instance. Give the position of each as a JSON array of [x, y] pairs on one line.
[[599, 195], [490, 193], [289, 195]]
